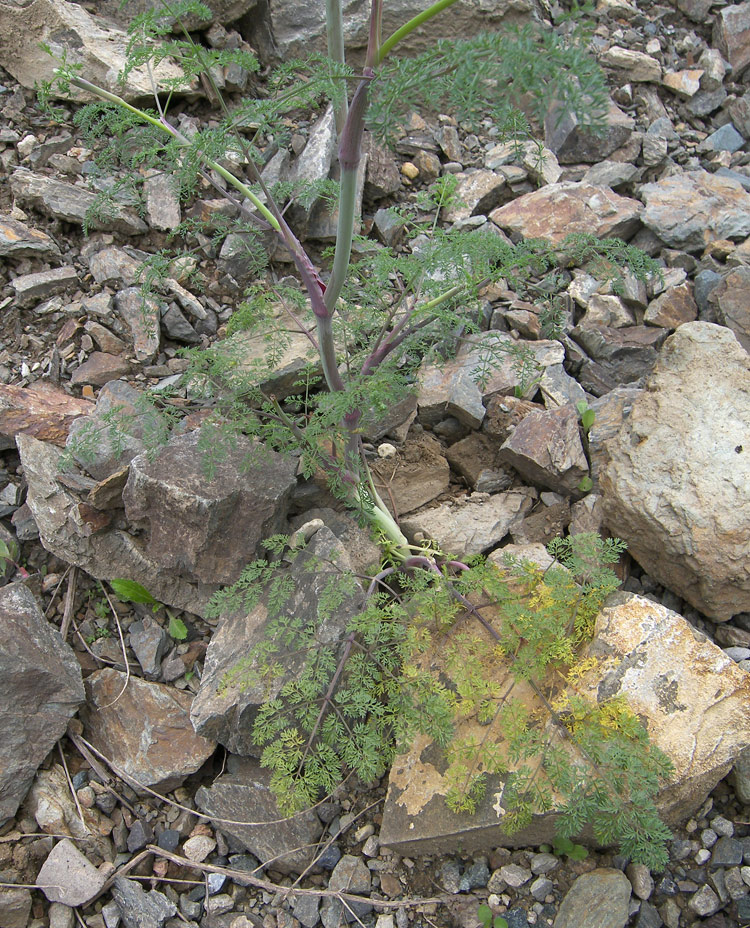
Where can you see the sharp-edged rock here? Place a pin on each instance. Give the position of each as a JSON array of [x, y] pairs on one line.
[[41, 690], [732, 300], [41, 410], [229, 696], [69, 202], [144, 728], [219, 519], [559, 210], [33, 288], [645, 654], [68, 876], [689, 210], [100, 47], [141, 909], [572, 143], [731, 36], [18, 240], [688, 525], [598, 899], [242, 795], [414, 476]]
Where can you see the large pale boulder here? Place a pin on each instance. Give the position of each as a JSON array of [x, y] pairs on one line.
[[687, 692], [67, 28], [676, 487]]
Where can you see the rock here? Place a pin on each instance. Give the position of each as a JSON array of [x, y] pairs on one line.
[[684, 83], [69, 877], [504, 413], [162, 202], [382, 178], [314, 162], [221, 11], [113, 432], [704, 901], [41, 410], [227, 702], [730, 298], [726, 138], [389, 226], [607, 309], [149, 642], [477, 192], [350, 875], [288, 34], [243, 795], [177, 327], [67, 201], [114, 266], [452, 389], [672, 308], [687, 528], [15, 907], [598, 899], [144, 728], [472, 524], [610, 174], [357, 541], [573, 144], [18, 240], [640, 879], [63, 529], [476, 458], [559, 210], [731, 36], [198, 847], [99, 369], [645, 654], [32, 288], [414, 476], [631, 65], [138, 908], [545, 448], [141, 313], [621, 355], [688, 211], [42, 689], [220, 520]]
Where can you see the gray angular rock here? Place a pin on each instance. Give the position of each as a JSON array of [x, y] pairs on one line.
[[33, 288], [141, 313], [730, 298], [227, 702], [622, 355], [631, 65], [68, 876], [162, 202], [144, 728], [731, 36], [688, 526], [138, 908], [477, 192], [573, 144], [596, 900], [40, 690], [15, 907], [473, 524], [242, 795], [69, 202], [149, 642], [689, 210], [201, 527], [222, 11], [545, 448], [18, 240]]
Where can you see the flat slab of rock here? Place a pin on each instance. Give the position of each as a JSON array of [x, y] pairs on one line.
[[242, 795], [227, 702], [21, 241], [414, 476], [144, 728], [41, 410], [667, 673], [141, 909], [41, 690], [67, 201], [69, 877], [473, 524], [688, 211], [218, 520], [677, 484], [731, 35], [555, 211], [732, 300], [596, 900]]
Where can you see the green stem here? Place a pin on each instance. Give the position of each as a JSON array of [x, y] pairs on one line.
[[413, 24], [169, 130], [335, 34], [344, 235]]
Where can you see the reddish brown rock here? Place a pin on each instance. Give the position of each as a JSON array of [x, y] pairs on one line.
[[100, 369], [558, 210], [44, 411], [672, 308], [414, 476], [144, 728], [732, 300]]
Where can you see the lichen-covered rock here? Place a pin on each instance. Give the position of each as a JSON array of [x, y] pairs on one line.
[[677, 484]]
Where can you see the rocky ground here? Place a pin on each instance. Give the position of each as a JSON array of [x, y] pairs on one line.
[[130, 800]]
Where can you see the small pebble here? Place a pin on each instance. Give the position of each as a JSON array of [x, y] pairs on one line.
[[722, 826], [641, 880], [709, 837], [198, 847], [702, 856]]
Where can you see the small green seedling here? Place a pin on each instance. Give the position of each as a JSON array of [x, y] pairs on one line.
[[484, 914], [564, 847], [586, 484], [587, 415], [10, 551], [130, 591]]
